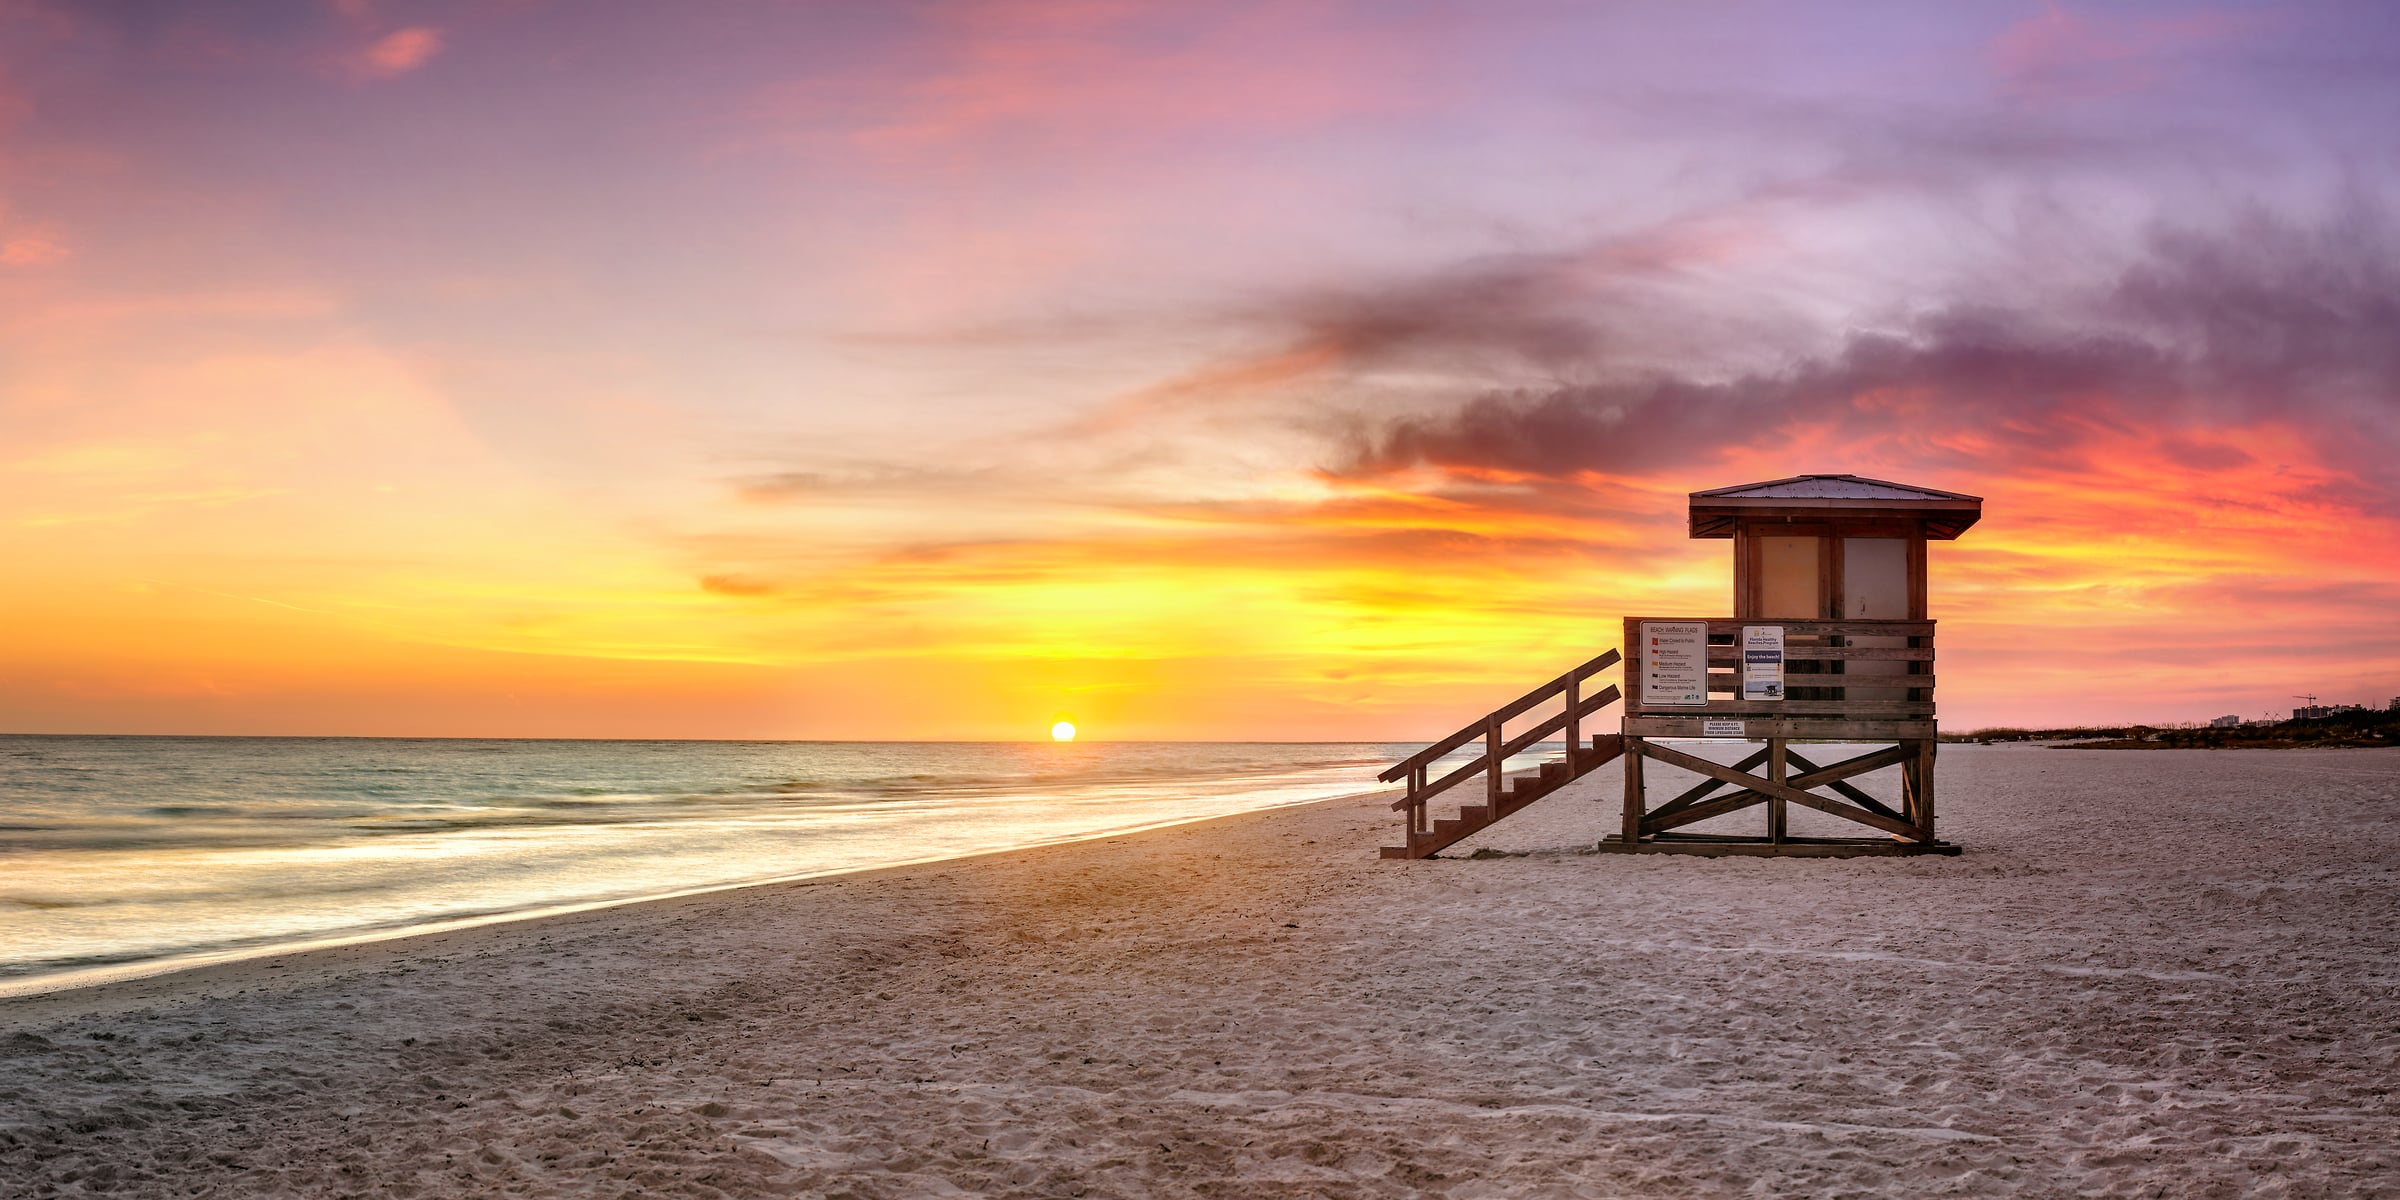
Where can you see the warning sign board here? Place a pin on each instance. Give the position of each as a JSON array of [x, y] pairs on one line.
[[1675, 663]]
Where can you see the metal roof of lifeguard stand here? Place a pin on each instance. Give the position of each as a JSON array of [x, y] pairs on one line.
[[1943, 515], [1828, 594]]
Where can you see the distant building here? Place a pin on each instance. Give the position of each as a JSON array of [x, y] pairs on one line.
[[2224, 722], [2316, 712]]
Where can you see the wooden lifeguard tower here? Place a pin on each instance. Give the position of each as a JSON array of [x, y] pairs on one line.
[[1830, 641]]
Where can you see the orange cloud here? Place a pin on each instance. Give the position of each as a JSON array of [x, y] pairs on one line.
[[399, 52], [735, 585], [32, 250]]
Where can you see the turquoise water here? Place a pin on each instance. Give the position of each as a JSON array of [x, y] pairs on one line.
[[140, 850]]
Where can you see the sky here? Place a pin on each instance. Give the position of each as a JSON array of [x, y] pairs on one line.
[[1290, 371]]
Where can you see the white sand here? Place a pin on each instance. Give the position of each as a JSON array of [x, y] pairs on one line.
[[2161, 973]]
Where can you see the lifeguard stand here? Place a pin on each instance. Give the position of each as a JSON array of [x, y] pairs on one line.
[[1829, 642], [1828, 593]]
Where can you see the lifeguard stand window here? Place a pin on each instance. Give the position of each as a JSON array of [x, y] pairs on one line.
[[1875, 587], [1875, 578], [1790, 577]]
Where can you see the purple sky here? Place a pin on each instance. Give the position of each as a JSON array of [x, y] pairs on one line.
[[1134, 359]]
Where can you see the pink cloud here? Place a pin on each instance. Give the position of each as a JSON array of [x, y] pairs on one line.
[[1070, 69], [31, 249], [2060, 54], [399, 52]]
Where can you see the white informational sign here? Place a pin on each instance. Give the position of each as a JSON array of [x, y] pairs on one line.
[[1762, 662], [1722, 729], [1675, 663]]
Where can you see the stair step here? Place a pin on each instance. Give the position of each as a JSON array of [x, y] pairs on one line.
[[1475, 814]]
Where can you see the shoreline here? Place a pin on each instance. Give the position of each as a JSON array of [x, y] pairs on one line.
[[33, 987], [2119, 745], [1256, 1005]]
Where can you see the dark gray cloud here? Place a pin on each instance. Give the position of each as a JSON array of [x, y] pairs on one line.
[[2264, 320], [2276, 311], [1990, 362]]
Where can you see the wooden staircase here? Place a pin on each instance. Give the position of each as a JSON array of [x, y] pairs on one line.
[[1504, 797]]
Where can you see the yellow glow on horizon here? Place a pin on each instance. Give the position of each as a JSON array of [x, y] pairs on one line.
[[262, 573]]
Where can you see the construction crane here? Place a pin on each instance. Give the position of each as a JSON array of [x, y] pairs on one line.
[[2312, 703]]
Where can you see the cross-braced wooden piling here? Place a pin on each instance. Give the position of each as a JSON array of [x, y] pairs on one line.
[[1819, 659]]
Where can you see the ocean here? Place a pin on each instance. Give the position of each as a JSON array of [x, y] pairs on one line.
[[122, 855]]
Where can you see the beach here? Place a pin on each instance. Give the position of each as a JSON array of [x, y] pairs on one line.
[[2173, 973]]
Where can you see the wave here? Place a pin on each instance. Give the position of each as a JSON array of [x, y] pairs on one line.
[[129, 850]]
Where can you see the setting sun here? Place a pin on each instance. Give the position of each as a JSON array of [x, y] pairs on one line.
[[1064, 731]]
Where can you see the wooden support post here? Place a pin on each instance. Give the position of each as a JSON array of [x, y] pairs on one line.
[[1924, 772], [1634, 748], [1491, 751], [1778, 771], [1574, 722], [1908, 783]]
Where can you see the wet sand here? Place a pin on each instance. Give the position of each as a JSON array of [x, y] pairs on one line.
[[2170, 973]]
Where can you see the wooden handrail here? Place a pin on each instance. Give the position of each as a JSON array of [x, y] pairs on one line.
[[1508, 750], [1426, 837], [1513, 708], [1499, 748]]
